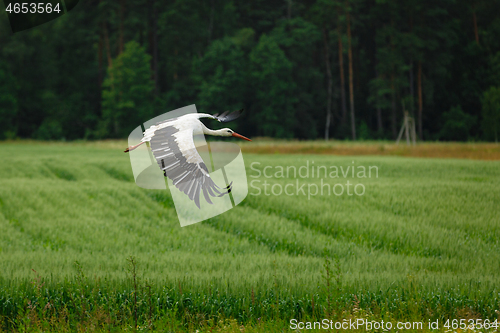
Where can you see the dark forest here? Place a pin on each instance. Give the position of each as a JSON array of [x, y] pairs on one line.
[[323, 69]]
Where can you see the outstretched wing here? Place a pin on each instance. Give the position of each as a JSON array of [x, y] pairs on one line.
[[176, 154], [226, 116]]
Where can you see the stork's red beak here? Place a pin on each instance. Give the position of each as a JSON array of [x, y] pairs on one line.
[[241, 136]]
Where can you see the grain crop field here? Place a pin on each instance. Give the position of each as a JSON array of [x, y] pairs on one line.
[[83, 248]]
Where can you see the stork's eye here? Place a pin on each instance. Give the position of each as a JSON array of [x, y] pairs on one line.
[[229, 131]]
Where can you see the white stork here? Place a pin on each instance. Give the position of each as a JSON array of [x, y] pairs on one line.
[[173, 147]]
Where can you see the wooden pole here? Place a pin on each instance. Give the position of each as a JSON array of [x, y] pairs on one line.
[[420, 101], [414, 131], [474, 19], [330, 85], [407, 132], [341, 71], [400, 134], [351, 76]]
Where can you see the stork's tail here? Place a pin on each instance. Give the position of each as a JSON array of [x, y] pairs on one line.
[[132, 147]]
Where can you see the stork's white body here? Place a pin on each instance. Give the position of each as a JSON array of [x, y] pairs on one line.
[[189, 122], [173, 147], [187, 126]]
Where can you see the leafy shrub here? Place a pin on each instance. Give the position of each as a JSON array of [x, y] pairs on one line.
[[457, 125], [127, 96], [491, 113]]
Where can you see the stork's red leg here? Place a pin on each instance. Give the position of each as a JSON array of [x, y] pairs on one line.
[[132, 147]]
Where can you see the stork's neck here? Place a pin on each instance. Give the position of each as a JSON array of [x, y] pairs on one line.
[[208, 131]]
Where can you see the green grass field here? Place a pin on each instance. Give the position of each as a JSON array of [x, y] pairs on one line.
[[422, 242]]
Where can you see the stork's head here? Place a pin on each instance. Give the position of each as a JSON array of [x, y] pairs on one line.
[[230, 132]]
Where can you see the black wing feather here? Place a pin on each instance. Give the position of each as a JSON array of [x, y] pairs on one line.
[[226, 116], [186, 176]]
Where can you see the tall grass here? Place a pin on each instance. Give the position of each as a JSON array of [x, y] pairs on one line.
[[422, 242]]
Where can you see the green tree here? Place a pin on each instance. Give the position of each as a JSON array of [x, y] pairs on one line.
[[297, 37], [388, 87], [423, 54], [222, 73], [271, 72], [127, 96], [321, 13], [457, 124], [491, 113], [8, 104]]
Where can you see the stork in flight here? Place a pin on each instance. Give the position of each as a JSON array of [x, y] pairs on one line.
[[173, 147]]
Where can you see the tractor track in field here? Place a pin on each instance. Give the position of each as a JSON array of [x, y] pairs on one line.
[[350, 236]]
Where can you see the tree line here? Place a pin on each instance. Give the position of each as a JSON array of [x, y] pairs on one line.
[[310, 69]]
